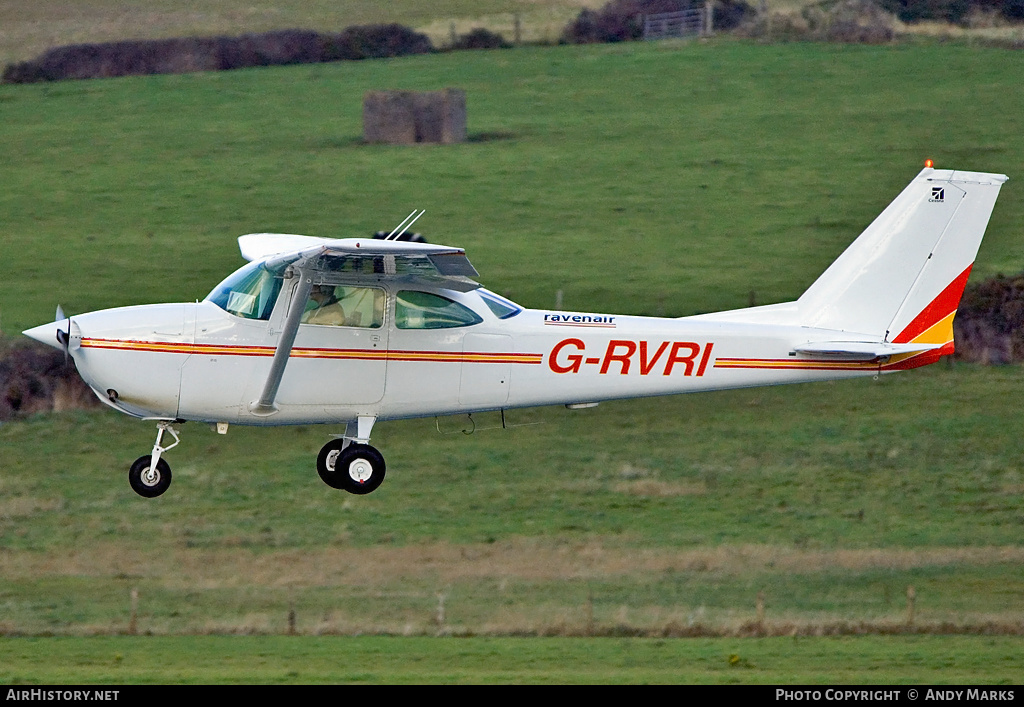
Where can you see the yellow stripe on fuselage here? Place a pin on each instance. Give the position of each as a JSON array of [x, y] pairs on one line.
[[316, 353]]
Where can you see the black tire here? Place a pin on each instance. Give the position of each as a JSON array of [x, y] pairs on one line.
[[325, 463], [143, 487], [358, 468], [361, 468]]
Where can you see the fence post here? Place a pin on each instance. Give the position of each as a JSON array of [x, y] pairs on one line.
[[709, 17], [439, 618], [911, 601], [133, 621], [590, 612]]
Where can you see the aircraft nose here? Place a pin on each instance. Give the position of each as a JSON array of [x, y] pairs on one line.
[[47, 333]]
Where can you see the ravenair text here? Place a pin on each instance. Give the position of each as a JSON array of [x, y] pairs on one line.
[[626, 357], [581, 320]]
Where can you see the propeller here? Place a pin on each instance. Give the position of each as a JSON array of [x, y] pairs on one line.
[[63, 337]]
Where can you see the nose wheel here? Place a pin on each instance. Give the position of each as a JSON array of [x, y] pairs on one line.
[[150, 475], [353, 467], [147, 479]]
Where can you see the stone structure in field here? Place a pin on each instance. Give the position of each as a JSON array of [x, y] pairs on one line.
[[408, 117]]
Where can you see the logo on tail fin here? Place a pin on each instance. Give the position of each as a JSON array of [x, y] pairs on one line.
[[938, 195]]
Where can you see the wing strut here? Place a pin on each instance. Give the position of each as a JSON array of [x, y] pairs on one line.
[[265, 405]]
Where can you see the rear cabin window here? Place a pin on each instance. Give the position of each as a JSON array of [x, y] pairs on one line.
[[424, 310], [501, 307]]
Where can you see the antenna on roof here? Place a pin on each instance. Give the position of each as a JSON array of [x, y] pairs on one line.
[[405, 225]]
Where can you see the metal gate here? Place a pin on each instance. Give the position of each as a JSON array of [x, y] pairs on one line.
[[693, 22]]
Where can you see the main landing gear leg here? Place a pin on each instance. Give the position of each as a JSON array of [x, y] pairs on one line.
[[150, 475], [349, 463]]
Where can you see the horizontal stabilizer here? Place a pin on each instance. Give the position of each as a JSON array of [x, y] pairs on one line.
[[860, 350]]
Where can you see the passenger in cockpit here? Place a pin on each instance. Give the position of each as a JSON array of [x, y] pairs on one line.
[[327, 310]]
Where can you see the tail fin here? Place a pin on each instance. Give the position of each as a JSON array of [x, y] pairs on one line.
[[902, 279]]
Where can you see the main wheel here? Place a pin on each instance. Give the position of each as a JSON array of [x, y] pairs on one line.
[[358, 468], [326, 463], [146, 484]]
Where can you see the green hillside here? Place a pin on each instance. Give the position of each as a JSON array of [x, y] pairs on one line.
[[665, 179], [32, 28]]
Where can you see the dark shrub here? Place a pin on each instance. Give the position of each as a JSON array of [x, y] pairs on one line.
[[916, 10], [989, 323], [1013, 10], [36, 379], [728, 14], [183, 55], [481, 38], [126, 58], [291, 46], [375, 42], [582, 30], [954, 11], [22, 72]]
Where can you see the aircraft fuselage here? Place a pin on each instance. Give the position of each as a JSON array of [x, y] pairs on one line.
[[198, 362]]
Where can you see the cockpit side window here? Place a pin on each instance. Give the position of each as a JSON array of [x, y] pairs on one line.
[[344, 305], [424, 310], [249, 292], [501, 307]]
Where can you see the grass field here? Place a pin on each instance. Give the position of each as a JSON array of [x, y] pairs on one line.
[[871, 660], [659, 179], [853, 493]]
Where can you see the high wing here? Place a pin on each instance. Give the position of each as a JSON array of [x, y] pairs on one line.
[[316, 260], [401, 259]]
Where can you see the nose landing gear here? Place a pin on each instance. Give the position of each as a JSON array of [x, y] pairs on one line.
[[150, 475]]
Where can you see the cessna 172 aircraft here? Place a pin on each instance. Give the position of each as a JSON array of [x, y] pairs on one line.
[[353, 331]]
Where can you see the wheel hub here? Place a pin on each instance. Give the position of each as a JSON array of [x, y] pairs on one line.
[[360, 470], [332, 458]]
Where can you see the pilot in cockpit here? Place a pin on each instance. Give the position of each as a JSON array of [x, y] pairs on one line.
[[326, 307]]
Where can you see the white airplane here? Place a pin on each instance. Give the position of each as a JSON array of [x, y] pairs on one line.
[[353, 331]]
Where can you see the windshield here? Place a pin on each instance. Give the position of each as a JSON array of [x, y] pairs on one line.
[[249, 292]]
